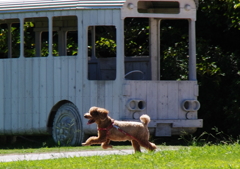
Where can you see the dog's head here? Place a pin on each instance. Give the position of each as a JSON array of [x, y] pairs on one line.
[[96, 115]]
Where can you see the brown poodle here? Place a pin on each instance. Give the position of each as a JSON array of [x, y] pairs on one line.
[[109, 129]]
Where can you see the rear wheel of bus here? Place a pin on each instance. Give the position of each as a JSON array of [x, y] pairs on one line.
[[67, 126]]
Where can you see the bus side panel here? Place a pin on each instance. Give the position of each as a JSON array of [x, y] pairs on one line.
[[49, 85], [100, 93], [85, 22], [108, 16], [64, 85], [163, 104], [1, 96], [187, 93], [109, 97], [68, 81], [7, 97], [22, 97], [64, 80], [162, 100], [15, 95], [118, 105], [71, 79], [152, 100], [94, 93], [28, 96], [43, 111], [79, 64], [57, 79], [101, 97], [36, 94], [173, 105]]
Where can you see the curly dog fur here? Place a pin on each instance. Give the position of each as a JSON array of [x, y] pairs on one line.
[[138, 130]]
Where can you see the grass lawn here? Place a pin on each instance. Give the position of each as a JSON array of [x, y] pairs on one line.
[[214, 156], [45, 144]]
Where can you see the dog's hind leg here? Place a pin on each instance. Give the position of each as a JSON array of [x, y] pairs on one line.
[[106, 144], [136, 146], [148, 145]]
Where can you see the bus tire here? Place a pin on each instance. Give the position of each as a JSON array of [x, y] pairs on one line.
[[67, 126]]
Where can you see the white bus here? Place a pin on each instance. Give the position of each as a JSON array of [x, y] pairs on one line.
[[60, 57]]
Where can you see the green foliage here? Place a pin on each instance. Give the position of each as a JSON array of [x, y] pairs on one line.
[[29, 39], [105, 41], [4, 41], [216, 137], [72, 49], [206, 64], [174, 50], [106, 47], [218, 56], [237, 5], [136, 33]]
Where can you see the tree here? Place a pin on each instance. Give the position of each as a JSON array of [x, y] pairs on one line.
[[218, 54]]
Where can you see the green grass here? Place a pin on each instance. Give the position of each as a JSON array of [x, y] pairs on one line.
[[201, 152], [41, 144], [71, 149], [213, 156], [46, 145]]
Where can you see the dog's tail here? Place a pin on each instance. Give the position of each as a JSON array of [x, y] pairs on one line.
[[145, 119]]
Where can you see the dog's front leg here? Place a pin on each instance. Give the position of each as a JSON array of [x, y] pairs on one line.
[[94, 140], [106, 144]]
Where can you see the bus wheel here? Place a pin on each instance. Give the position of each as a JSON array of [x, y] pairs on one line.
[[67, 126]]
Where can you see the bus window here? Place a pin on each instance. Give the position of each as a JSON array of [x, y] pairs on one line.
[[72, 43], [174, 50], [163, 7], [171, 48], [136, 33], [9, 38], [137, 63], [102, 53], [65, 36], [36, 37]]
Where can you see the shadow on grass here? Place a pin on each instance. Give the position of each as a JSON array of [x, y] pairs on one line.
[[169, 141], [197, 139], [27, 142], [23, 142]]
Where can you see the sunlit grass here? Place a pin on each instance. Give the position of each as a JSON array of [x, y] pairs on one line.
[[214, 156]]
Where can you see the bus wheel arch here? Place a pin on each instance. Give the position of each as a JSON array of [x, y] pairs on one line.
[[65, 124]]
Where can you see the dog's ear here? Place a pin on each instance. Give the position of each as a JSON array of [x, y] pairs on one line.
[[103, 113], [93, 111]]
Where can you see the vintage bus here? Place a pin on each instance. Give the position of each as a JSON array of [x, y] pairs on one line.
[[60, 57]]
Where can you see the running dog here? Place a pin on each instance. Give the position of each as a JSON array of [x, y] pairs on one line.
[[109, 129]]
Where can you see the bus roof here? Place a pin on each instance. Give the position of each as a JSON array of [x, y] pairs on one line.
[[40, 5]]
